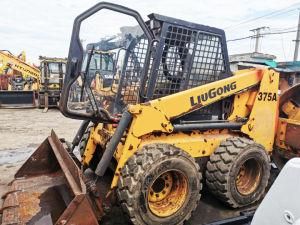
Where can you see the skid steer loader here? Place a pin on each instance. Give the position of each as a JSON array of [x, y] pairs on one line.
[[179, 128]]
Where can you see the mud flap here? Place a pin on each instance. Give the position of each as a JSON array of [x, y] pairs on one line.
[[49, 188]]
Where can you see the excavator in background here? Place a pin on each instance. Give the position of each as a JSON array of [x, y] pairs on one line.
[[19, 81], [182, 139], [52, 75]]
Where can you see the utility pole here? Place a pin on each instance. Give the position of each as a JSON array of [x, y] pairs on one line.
[[257, 36], [297, 41]]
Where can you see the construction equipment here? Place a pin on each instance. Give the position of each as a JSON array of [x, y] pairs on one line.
[[288, 129], [19, 81], [52, 75], [178, 120]]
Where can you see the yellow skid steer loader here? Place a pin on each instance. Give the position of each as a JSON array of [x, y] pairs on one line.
[[179, 128]]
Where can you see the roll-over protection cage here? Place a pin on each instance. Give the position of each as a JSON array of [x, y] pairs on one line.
[[171, 56]]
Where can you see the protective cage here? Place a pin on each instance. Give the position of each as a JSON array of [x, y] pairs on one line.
[[183, 55]]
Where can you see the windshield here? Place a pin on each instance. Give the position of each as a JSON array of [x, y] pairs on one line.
[[51, 71], [53, 68]]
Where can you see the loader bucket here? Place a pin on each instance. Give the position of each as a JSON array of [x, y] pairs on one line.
[[17, 99], [49, 189], [291, 93]]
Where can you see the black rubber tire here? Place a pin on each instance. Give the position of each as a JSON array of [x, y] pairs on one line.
[[224, 165], [142, 169]]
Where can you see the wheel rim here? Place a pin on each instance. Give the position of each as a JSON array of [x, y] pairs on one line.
[[167, 193], [248, 177]]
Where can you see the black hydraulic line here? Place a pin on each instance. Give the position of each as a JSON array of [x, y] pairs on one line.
[[207, 126], [84, 124], [113, 143]]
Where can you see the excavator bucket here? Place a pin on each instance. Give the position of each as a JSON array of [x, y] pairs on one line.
[[49, 189], [290, 110]]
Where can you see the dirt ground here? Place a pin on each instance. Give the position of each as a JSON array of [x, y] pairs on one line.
[[21, 132]]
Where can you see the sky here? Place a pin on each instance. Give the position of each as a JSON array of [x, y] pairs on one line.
[[43, 27]]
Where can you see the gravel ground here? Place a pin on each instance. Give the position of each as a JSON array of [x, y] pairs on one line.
[[21, 132]]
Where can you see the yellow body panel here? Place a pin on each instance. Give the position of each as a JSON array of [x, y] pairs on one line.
[[99, 135], [197, 144], [90, 147], [261, 125]]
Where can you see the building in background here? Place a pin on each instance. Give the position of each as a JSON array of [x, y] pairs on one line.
[[289, 71]]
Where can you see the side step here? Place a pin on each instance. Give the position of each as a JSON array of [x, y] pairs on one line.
[[49, 189]]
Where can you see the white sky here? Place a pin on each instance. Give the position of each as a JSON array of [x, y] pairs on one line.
[[43, 27]]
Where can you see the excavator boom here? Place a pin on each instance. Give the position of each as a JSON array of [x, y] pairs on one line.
[[9, 60]]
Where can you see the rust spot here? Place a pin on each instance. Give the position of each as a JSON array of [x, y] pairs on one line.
[[205, 140], [157, 134], [163, 125], [250, 127], [130, 147], [117, 174], [203, 152], [188, 132]]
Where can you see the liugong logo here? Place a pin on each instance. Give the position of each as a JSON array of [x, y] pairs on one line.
[[212, 93]]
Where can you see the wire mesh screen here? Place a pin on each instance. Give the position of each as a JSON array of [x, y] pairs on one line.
[[189, 58], [132, 71], [208, 61]]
